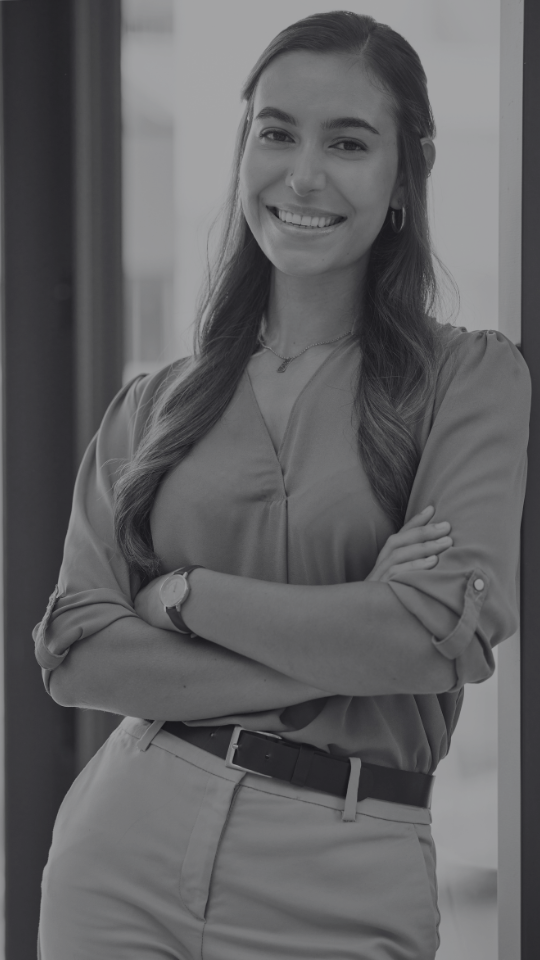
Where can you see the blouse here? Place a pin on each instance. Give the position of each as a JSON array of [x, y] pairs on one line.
[[306, 514]]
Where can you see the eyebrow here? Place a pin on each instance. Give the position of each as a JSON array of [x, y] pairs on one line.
[[338, 123]]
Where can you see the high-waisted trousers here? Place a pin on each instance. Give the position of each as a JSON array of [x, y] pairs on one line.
[[162, 852]]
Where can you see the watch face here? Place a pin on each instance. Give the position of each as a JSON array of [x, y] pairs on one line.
[[173, 591]]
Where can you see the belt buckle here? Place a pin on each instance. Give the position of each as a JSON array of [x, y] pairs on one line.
[[233, 746]]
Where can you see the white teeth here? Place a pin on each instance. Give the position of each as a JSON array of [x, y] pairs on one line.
[[287, 217]]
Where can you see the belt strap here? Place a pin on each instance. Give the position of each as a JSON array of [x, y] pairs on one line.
[[305, 765]]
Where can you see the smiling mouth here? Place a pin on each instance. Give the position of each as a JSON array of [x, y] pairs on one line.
[[305, 222]]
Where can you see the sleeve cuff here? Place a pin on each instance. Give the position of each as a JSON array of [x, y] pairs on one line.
[[466, 645], [46, 659], [456, 643]]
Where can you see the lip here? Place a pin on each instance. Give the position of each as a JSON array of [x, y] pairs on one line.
[[303, 211], [298, 231]]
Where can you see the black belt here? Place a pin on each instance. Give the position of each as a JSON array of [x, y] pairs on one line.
[[304, 765]]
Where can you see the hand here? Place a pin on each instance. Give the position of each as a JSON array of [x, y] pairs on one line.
[[416, 546], [149, 607]]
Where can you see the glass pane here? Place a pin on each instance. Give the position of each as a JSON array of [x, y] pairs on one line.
[[181, 110], [148, 169]]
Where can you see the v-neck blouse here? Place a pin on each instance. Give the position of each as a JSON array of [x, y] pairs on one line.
[[298, 399], [306, 514]]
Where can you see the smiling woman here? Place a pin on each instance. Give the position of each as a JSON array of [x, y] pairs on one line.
[[253, 561]]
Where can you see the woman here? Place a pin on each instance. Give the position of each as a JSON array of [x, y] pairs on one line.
[[302, 473]]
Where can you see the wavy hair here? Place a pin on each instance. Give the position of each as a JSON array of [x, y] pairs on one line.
[[398, 339]]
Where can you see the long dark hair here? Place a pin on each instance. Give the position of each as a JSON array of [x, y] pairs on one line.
[[399, 343]]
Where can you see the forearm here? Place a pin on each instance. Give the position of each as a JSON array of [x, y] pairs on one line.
[[356, 638], [147, 672]]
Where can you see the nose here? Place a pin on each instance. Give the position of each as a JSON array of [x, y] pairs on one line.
[[307, 174]]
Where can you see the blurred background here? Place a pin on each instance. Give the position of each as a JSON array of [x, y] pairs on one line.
[[183, 65]]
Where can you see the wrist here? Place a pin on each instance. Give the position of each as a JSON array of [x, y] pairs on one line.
[[196, 582], [149, 607], [174, 593]]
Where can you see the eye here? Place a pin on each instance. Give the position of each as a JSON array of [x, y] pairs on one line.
[[274, 136], [350, 146]]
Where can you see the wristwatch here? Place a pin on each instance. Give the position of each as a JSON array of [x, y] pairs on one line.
[[173, 592]]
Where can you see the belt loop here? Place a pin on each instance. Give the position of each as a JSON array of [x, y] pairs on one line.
[[349, 810], [144, 742]]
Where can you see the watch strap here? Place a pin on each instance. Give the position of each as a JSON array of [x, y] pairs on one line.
[[174, 613]]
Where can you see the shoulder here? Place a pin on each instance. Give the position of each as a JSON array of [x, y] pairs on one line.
[[484, 364], [140, 393], [126, 417], [462, 348]]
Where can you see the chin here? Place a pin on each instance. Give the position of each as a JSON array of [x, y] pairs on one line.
[[301, 270], [298, 265]]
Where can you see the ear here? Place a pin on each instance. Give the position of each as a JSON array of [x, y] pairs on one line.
[[428, 149], [430, 153]]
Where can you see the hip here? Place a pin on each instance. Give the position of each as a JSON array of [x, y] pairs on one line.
[[225, 847]]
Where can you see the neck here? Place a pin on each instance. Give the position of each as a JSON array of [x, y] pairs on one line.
[[303, 310]]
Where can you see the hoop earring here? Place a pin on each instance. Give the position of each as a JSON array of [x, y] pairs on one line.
[[395, 228]]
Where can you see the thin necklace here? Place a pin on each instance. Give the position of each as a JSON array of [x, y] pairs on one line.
[[287, 360]]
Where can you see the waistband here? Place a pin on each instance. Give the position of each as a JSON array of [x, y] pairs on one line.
[[144, 733], [303, 765]]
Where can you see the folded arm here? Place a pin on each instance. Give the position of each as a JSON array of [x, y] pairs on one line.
[[422, 632], [426, 630], [355, 638], [147, 672]]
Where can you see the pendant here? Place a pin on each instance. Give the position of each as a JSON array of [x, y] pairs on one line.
[[283, 366]]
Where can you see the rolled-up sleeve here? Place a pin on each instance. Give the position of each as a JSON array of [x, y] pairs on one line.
[[473, 471], [95, 587]]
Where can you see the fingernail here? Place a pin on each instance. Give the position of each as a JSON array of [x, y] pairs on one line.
[[425, 510], [441, 525]]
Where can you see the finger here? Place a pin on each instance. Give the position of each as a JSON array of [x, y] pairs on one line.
[[425, 563], [431, 531], [418, 551], [420, 518], [404, 538], [415, 553], [414, 534]]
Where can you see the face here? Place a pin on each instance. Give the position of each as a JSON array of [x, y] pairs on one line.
[[320, 166]]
